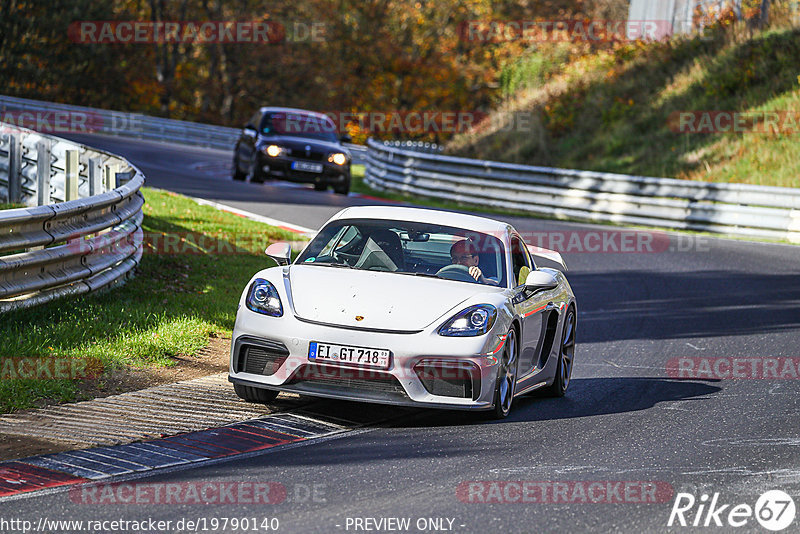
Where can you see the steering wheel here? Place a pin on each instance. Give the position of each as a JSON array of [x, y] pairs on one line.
[[338, 258], [455, 272]]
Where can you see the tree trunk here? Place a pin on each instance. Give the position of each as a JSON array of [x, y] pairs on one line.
[[763, 17]]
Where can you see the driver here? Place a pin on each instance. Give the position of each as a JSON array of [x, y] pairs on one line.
[[466, 253]]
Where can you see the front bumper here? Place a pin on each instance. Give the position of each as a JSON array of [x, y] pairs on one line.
[[281, 167], [425, 369]]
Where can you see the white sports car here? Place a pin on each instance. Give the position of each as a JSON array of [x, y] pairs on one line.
[[407, 306]]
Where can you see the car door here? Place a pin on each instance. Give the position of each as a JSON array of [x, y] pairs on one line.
[[529, 306]]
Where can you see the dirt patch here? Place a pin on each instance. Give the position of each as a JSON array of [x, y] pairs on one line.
[[212, 359]]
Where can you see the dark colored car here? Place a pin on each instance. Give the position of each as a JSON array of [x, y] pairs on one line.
[[295, 145]]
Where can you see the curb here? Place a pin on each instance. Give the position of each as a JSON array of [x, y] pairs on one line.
[[37, 473]]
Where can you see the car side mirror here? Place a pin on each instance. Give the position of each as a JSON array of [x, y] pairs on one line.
[[345, 138], [540, 281], [280, 252]]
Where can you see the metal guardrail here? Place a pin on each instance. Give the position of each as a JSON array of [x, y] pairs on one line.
[[79, 119], [733, 209], [135, 125], [416, 146], [81, 229]]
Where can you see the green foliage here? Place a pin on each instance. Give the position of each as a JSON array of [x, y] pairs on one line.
[[531, 69], [614, 110], [375, 55], [38, 60]]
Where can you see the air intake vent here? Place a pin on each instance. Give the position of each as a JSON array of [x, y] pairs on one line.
[[262, 359], [449, 379], [360, 379]]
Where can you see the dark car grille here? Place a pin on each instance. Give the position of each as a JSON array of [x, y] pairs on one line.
[[299, 153], [262, 359], [360, 379], [443, 379]]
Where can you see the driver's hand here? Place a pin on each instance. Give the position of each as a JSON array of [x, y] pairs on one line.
[[475, 273]]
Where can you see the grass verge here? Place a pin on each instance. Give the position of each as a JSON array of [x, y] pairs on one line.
[[617, 110], [183, 292]]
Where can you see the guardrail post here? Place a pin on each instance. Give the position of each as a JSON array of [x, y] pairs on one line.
[[71, 175], [95, 176], [14, 168], [43, 172], [111, 176]]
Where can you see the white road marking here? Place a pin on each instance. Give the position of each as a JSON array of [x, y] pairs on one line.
[[256, 217]]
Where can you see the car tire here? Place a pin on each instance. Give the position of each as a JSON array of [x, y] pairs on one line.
[[253, 175], [506, 382], [566, 357], [238, 175], [253, 394], [343, 189], [320, 187]]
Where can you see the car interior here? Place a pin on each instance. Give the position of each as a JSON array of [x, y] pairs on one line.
[[424, 251]]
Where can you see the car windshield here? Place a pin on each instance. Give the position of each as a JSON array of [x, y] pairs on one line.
[[294, 124], [409, 248]]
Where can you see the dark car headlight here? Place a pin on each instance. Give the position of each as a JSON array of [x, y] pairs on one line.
[[273, 150], [473, 321], [263, 298], [338, 158]]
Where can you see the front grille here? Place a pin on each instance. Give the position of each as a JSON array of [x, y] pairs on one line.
[[299, 153], [360, 379], [262, 359], [447, 379]]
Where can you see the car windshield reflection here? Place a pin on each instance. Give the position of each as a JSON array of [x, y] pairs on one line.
[[409, 248]]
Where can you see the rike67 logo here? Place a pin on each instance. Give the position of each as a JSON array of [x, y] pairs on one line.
[[774, 510]]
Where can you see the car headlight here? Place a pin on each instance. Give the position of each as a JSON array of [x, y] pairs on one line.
[[473, 321], [263, 298], [273, 150], [338, 158]]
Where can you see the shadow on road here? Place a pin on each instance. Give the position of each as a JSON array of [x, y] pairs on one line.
[[587, 397], [673, 305]]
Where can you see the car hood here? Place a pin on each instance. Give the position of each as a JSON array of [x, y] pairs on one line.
[[299, 143], [386, 301]]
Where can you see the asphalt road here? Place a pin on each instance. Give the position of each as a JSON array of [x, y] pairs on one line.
[[625, 418]]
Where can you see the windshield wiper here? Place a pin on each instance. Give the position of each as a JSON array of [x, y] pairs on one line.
[[427, 275], [341, 265]]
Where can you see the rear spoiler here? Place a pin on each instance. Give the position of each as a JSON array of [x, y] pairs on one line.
[[547, 254]]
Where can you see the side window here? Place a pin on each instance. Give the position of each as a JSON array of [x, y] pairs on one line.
[[348, 237], [267, 123], [328, 248], [520, 261]]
